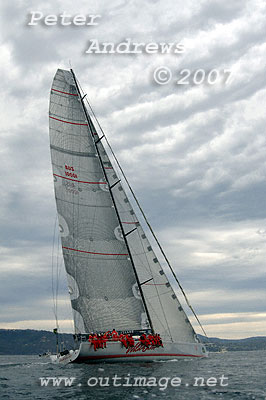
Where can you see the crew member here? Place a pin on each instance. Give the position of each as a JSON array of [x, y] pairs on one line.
[[114, 335]]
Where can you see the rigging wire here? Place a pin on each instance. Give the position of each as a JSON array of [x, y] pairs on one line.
[[145, 218], [57, 278], [53, 288]]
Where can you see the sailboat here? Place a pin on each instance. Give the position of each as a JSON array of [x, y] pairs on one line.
[[114, 278]]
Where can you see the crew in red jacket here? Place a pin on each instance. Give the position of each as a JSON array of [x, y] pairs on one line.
[[114, 335], [130, 340], [95, 342], [123, 340]]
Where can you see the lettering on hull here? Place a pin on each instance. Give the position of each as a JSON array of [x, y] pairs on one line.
[[139, 347]]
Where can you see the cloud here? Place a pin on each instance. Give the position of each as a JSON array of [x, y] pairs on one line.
[[195, 154]]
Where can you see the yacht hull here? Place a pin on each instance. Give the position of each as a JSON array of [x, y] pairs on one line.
[[115, 352]]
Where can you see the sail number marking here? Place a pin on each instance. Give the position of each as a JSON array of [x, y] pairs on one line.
[[70, 168]]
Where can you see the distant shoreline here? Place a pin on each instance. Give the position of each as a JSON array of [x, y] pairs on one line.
[[34, 342]]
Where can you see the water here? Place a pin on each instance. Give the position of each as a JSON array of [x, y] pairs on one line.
[[20, 378]]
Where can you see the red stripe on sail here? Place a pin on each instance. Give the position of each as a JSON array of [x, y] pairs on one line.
[[67, 122], [75, 180], [71, 94], [91, 252]]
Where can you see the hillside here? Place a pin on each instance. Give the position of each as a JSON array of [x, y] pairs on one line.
[[18, 341], [252, 343]]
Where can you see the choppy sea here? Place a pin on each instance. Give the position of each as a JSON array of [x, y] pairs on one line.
[[231, 375]]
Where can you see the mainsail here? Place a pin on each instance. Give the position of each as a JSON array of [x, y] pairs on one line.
[[115, 279]]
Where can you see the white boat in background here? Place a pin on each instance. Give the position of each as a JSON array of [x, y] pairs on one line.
[[115, 279]]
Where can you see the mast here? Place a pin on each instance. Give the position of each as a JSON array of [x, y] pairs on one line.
[[90, 124]]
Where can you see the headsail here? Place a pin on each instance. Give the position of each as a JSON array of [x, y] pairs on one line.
[[166, 312], [102, 239]]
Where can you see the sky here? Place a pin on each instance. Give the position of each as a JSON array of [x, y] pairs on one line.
[[194, 153]]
